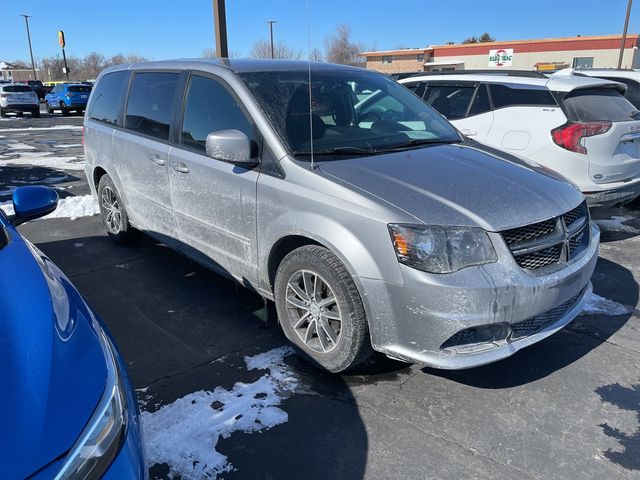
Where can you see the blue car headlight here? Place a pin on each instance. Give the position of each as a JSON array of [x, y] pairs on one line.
[[101, 440], [437, 249]]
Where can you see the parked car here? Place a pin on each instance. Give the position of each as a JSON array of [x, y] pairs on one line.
[[67, 408], [18, 99], [374, 225], [37, 87], [68, 97], [582, 128], [631, 78]]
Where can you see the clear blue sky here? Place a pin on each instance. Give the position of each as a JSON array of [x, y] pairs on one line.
[[161, 29]]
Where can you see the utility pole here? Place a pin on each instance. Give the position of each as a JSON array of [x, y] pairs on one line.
[[624, 34], [220, 27], [271, 22], [33, 64]]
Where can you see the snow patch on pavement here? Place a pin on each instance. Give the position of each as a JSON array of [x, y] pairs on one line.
[[69, 207], [601, 305], [616, 224], [68, 145], [20, 146], [184, 434], [35, 129], [45, 160]]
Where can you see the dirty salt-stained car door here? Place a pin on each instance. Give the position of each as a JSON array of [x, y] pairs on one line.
[[141, 152], [214, 201]]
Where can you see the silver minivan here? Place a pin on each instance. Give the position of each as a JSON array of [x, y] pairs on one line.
[[339, 194]]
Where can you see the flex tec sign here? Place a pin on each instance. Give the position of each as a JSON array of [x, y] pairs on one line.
[[502, 57]]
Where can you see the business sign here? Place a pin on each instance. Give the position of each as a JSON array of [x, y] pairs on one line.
[[61, 38], [502, 57]]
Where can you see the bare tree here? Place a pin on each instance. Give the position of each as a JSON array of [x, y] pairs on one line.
[[262, 49], [486, 38], [208, 53], [81, 69], [470, 40], [316, 55], [340, 48]]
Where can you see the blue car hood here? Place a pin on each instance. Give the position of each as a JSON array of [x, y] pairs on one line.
[[52, 366]]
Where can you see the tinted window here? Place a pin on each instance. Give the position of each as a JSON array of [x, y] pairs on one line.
[[415, 87], [17, 88], [452, 101], [598, 104], [480, 102], [633, 89], [150, 101], [107, 97], [507, 96], [80, 89], [209, 108]]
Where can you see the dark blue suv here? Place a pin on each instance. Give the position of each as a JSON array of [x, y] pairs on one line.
[[67, 97]]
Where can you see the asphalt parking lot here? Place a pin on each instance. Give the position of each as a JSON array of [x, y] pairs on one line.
[[568, 407]]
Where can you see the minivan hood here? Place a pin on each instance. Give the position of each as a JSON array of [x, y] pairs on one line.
[[53, 369], [460, 184]]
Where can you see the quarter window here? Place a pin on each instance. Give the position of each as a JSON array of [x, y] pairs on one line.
[[210, 108], [508, 96], [150, 101], [107, 97]]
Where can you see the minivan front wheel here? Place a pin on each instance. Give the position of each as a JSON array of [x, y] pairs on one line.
[[320, 309], [114, 215]]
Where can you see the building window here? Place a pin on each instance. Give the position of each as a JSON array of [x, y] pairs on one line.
[[386, 59], [583, 62], [420, 57]]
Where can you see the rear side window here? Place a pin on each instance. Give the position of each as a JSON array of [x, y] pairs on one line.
[[598, 104], [452, 101], [150, 101], [107, 97], [510, 96], [17, 88], [209, 108], [80, 89]]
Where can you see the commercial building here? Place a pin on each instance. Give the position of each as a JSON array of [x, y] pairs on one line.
[[541, 54], [15, 73]]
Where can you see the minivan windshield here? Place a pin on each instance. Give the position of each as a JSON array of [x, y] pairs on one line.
[[350, 112]]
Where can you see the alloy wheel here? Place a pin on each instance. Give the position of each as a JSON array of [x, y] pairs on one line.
[[111, 210], [313, 310]]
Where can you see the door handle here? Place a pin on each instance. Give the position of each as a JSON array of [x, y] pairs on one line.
[[180, 167], [157, 160]]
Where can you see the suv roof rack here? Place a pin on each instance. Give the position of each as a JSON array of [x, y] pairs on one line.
[[509, 73]]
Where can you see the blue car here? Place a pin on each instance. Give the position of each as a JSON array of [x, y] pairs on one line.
[[68, 97], [67, 409]]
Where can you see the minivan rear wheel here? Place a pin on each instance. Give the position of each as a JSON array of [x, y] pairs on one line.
[[320, 309], [114, 215]]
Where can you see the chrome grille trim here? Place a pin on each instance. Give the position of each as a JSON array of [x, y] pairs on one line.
[[555, 241]]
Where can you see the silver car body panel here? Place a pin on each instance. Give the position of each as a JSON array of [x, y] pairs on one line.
[[232, 218]]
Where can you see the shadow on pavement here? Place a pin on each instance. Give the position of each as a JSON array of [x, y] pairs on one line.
[[18, 176], [576, 340], [182, 328]]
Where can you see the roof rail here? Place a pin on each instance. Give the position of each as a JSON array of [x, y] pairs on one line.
[[509, 73]]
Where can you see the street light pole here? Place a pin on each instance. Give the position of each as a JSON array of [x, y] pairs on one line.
[[220, 26], [33, 64], [624, 34], [271, 22]]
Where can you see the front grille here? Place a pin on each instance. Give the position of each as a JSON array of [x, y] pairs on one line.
[[534, 325], [555, 241]]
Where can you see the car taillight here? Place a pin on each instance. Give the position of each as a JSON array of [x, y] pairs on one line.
[[569, 135]]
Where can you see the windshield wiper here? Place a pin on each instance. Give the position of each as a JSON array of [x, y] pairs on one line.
[[416, 142], [339, 151]]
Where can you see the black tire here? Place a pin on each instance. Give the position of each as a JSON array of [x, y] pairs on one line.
[[35, 113], [120, 231], [19, 114], [63, 109], [353, 346], [49, 109], [2, 113]]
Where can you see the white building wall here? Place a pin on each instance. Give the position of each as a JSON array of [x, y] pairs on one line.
[[526, 61]]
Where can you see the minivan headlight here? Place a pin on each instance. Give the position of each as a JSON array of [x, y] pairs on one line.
[[441, 249], [101, 440]]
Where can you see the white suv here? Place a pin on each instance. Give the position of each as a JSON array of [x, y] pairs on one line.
[[580, 127]]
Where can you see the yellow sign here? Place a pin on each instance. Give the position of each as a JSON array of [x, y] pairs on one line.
[[61, 38]]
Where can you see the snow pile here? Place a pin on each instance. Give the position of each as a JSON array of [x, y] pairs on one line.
[[34, 129], [185, 433], [616, 224], [600, 305], [70, 207], [68, 145], [44, 159]]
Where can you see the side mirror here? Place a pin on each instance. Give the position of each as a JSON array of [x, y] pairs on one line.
[[231, 146], [32, 202]]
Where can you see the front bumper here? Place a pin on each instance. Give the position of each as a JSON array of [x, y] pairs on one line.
[[412, 322], [623, 193]]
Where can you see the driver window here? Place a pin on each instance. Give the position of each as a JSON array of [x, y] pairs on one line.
[[210, 108]]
